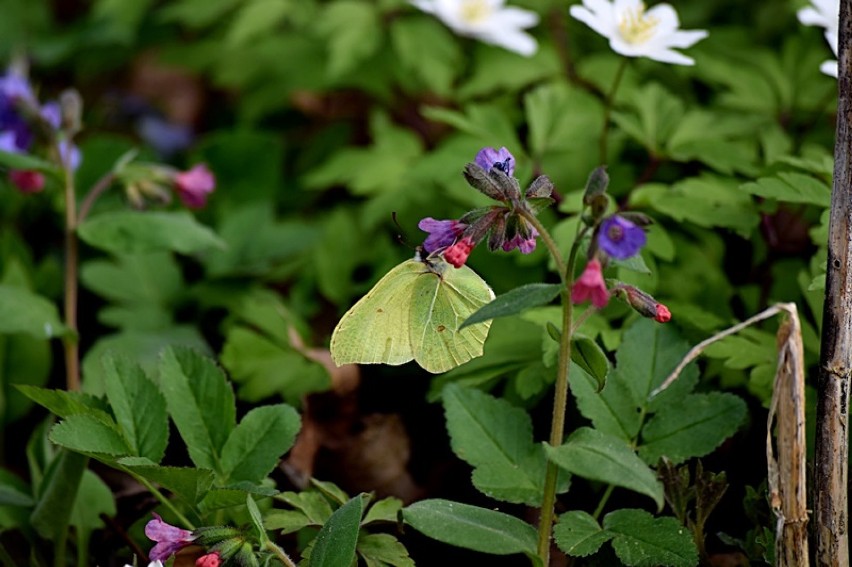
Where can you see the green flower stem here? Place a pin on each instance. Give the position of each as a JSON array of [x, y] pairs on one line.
[[279, 554], [610, 98], [96, 191], [71, 343], [560, 400], [162, 498], [604, 499]]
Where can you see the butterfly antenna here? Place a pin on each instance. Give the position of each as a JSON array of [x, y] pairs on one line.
[[401, 239]]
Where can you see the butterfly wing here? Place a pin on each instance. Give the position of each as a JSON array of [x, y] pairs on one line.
[[441, 303], [376, 329]]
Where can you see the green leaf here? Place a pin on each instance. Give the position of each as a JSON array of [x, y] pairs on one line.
[[22, 311], [25, 361], [200, 402], [311, 503], [641, 540], [13, 496], [586, 354], [189, 483], [791, 187], [138, 406], [385, 510], [133, 232], [515, 301], [335, 543], [287, 521], [379, 550], [427, 50], [256, 19], [692, 426], [256, 520], [485, 122], [351, 29], [597, 456], [63, 403], [654, 115], [91, 436], [578, 534], [255, 363], [257, 443], [56, 494], [27, 162], [94, 500], [471, 527], [561, 118], [496, 439]]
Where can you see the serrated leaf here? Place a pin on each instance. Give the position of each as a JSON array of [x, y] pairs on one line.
[[311, 503], [138, 406], [791, 187], [286, 521], [515, 301], [379, 550], [597, 456], [233, 495], [496, 439], [200, 402], [22, 311], [335, 543], [256, 520], [133, 232], [384, 510], [471, 527], [641, 540], [63, 403], [189, 483], [352, 32], [91, 436], [255, 446], [586, 354], [578, 534], [692, 426]]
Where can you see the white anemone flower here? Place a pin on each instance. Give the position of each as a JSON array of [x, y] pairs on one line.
[[486, 20], [636, 32], [824, 14]]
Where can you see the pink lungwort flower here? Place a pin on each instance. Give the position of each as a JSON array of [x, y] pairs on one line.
[[620, 238], [502, 159], [591, 285], [634, 31], [525, 245], [663, 314], [195, 185], [442, 233], [170, 539], [457, 254]]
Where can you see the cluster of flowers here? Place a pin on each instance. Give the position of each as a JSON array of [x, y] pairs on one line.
[[27, 126], [507, 226], [632, 30], [24, 122], [223, 545]]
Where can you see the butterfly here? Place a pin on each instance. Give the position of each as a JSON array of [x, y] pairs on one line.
[[413, 313]]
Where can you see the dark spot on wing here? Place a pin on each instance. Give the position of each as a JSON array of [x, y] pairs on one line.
[[380, 310], [441, 328]]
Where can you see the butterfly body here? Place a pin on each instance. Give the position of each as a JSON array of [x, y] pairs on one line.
[[413, 313]]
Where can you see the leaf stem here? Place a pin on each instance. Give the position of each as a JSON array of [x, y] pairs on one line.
[[162, 498], [604, 499], [96, 191], [610, 98], [279, 554]]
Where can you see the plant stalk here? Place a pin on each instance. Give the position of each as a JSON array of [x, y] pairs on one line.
[[163, 500], [71, 342], [279, 554]]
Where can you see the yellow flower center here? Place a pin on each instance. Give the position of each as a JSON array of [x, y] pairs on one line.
[[474, 11], [636, 26]]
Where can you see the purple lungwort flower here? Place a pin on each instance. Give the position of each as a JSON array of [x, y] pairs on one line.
[[52, 114], [620, 238], [170, 539], [525, 245], [14, 87], [502, 159], [70, 154], [442, 233], [8, 142]]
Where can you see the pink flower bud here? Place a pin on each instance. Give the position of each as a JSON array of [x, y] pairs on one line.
[[195, 185], [663, 314], [457, 253], [209, 560], [26, 180]]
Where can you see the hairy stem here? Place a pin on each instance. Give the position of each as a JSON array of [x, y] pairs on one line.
[[71, 342], [279, 554], [163, 500]]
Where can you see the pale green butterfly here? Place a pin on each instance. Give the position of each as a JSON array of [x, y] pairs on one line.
[[413, 313]]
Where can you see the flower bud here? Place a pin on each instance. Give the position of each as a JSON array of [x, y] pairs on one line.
[[478, 179], [71, 105], [27, 181], [209, 560], [643, 303], [457, 254], [542, 186], [596, 185]]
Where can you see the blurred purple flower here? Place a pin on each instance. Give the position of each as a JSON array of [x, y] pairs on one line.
[[165, 137], [15, 87], [170, 539], [193, 186], [52, 114], [8, 142], [442, 233], [70, 154], [502, 159], [620, 238]]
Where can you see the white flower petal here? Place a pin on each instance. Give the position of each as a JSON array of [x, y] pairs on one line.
[[686, 38], [427, 6], [669, 56], [621, 6], [667, 20], [584, 15], [514, 40], [515, 18], [829, 68]]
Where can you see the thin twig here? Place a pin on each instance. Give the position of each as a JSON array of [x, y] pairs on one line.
[[699, 348]]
